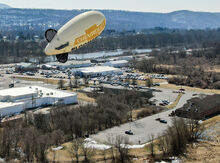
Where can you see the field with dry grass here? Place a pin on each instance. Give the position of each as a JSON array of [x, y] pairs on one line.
[[203, 152], [206, 151], [45, 80], [97, 155], [84, 97], [207, 68], [193, 89]]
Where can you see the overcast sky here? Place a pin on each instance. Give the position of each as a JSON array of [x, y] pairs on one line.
[[132, 5]]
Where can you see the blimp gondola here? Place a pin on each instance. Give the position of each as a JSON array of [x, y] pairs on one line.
[[74, 34]]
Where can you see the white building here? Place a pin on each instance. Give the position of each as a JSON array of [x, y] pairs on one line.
[[71, 64], [16, 100], [117, 64], [96, 71]]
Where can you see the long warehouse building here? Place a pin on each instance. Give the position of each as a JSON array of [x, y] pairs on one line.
[[96, 71], [15, 100]]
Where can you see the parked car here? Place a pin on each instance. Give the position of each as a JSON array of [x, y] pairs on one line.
[[166, 102], [157, 119], [162, 104], [129, 132], [11, 85], [163, 121], [156, 84]]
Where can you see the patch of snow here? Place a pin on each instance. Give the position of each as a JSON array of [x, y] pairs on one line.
[[164, 83], [135, 146], [176, 161], [173, 160], [57, 148], [200, 122], [89, 143], [2, 160]]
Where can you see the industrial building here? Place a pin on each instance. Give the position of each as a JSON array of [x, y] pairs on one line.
[[25, 67], [200, 107], [70, 64], [117, 64], [16, 100], [96, 71]]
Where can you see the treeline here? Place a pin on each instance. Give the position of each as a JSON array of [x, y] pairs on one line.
[[21, 51], [190, 39], [192, 69], [29, 139]]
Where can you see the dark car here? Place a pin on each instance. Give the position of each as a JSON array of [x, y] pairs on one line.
[[162, 104], [129, 132], [163, 121], [156, 84], [157, 119], [11, 85]]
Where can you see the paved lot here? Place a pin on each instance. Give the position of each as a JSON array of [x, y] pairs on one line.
[[6, 80], [143, 128], [165, 94]]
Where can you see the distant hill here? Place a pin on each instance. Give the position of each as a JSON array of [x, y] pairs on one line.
[[41, 19], [4, 6]]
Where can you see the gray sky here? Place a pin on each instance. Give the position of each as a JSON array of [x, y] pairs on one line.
[[132, 5]]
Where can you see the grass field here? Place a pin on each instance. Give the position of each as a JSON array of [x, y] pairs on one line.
[[45, 80], [84, 97], [176, 87]]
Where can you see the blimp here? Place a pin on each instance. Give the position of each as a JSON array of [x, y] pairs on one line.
[[75, 33]]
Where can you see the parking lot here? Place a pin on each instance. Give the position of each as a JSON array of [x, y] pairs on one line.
[[143, 128]]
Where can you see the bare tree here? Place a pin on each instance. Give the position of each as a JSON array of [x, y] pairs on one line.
[[70, 84], [76, 145], [104, 151], [151, 138], [87, 153], [162, 144], [121, 145], [111, 141], [179, 134], [149, 82], [61, 84]]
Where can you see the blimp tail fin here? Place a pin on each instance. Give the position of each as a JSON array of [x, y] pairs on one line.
[[49, 34], [62, 57]]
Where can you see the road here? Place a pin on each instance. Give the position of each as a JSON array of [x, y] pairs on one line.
[[142, 128]]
